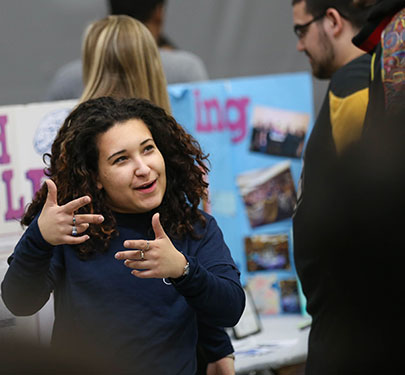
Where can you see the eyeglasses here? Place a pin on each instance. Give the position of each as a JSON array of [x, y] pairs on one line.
[[301, 30]]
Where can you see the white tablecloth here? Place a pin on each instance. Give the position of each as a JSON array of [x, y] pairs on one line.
[[281, 343]]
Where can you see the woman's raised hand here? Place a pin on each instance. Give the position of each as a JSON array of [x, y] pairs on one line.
[[59, 224], [153, 259]]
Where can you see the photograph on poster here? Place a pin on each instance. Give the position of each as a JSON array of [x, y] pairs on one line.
[[268, 194], [265, 293], [267, 252], [290, 299], [273, 294], [278, 132]]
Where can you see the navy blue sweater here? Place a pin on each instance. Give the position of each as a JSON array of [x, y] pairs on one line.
[[149, 326]]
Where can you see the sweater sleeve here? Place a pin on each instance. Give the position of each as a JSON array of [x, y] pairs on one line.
[[213, 342], [212, 286], [28, 282]]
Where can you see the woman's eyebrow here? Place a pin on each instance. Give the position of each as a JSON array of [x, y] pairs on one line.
[[115, 154], [124, 150], [146, 140]]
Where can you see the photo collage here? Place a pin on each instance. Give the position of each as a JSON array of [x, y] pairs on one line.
[[269, 197]]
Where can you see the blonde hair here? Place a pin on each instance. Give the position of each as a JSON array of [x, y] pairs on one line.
[[121, 59]]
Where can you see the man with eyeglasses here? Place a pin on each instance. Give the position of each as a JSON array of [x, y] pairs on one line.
[[325, 29]]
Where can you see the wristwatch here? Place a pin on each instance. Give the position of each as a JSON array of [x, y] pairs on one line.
[[186, 271]]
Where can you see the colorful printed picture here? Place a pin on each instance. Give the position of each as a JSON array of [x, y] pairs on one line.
[[278, 132], [269, 194], [274, 295], [267, 252], [290, 299], [265, 294]]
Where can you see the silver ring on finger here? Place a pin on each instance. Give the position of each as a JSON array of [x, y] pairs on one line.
[[74, 231], [142, 255]]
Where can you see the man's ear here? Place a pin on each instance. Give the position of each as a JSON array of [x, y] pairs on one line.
[[333, 22]]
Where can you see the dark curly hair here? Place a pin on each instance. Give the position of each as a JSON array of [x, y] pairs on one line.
[[73, 166]]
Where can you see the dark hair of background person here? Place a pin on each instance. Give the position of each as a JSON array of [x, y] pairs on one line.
[[74, 167], [144, 11], [365, 3], [356, 12], [140, 9]]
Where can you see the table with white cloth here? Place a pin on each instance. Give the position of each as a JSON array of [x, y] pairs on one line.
[[281, 343]]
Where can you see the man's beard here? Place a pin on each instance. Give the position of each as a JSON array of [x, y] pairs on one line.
[[323, 67]]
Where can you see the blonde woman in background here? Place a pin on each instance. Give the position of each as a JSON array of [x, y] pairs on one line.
[[121, 59]]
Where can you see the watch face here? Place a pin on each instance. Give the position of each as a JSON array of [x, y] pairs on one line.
[[186, 269]]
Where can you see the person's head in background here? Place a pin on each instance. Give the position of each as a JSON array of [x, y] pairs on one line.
[[121, 59], [150, 12], [325, 29]]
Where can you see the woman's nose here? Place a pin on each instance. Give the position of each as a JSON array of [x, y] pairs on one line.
[[141, 168]]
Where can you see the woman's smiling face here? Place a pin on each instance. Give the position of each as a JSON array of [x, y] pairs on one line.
[[131, 169]]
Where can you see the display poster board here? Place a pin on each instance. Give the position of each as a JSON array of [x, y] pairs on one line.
[[254, 130]]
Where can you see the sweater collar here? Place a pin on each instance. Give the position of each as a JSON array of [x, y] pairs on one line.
[[380, 16]]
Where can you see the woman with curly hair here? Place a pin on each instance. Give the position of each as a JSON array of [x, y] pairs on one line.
[[117, 235], [121, 59]]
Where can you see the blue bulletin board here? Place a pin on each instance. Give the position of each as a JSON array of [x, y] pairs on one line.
[[254, 130]]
